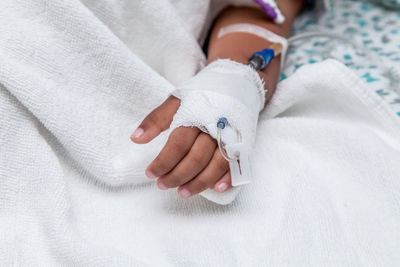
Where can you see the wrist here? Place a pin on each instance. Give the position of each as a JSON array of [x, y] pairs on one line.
[[270, 75], [238, 41]]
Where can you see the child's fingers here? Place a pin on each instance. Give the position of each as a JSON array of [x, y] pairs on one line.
[[217, 167], [178, 145], [224, 183], [156, 122], [192, 164]]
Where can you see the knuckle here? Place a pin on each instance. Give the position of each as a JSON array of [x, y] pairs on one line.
[[221, 164], [178, 144], [201, 184], [197, 158], [210, 139], [153, 121], [176, 134], [159, 167], [172, 181]]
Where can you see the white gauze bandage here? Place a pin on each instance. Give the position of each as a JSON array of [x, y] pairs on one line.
[[224, 89], [231, 90]]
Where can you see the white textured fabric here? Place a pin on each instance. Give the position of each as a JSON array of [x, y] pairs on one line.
[[223, 89], [77, 77]]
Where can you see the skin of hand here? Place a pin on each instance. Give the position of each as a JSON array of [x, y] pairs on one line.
[[191, 160]]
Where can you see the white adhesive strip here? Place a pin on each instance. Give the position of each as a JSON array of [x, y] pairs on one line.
[[260, 32]]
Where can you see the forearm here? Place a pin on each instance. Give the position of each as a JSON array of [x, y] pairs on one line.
[[240, 46]]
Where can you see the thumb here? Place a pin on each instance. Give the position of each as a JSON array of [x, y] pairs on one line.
[[156, 122]]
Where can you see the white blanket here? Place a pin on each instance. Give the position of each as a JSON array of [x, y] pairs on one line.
[[76, 77]]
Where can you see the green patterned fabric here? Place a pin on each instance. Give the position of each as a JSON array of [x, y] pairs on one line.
[[370, 24], [388, 3]]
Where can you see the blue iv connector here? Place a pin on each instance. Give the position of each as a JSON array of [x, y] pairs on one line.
[[259, 60], [222, 122]]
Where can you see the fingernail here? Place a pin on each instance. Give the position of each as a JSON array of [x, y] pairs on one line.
[[137, 133], [222, 187], [150, 175], [161, 185], [184, 193]]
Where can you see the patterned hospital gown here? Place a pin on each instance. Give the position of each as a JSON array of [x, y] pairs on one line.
[[374, 25]]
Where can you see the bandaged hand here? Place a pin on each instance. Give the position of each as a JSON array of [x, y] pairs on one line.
[[189, 160], [226, 90]]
